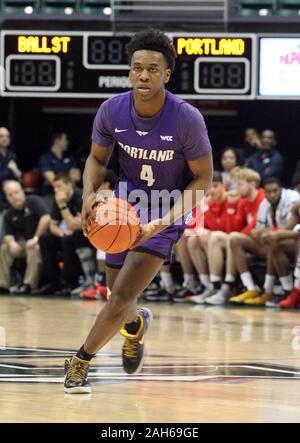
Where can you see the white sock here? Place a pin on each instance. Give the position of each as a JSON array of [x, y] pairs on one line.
[[215, 278], [269, 283], [247, 281], [204, 279], [188, 280], [297, 283], [287, 282], [229, 278], [167, 282]]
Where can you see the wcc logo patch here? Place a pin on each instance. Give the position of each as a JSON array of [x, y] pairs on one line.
[[38, 365], [167, 138]]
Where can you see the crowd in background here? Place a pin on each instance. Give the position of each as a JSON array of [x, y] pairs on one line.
[[245, 252]]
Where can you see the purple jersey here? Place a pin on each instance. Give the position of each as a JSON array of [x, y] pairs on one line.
[[153, 152]]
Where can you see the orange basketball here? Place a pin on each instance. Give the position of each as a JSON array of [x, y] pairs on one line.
[[115, 226]]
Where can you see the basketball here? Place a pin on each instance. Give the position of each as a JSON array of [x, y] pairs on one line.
[[114, 227]]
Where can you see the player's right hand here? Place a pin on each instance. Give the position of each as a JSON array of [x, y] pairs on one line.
[[87, 210]]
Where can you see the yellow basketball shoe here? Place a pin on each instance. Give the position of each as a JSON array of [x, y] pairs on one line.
[[259, 301], [133, 348], [241, 298], [76, 371]]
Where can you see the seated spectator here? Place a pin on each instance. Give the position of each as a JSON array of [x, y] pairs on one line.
[[99, 290], [54, 161], [8, 166], [229, 161], [273, 215], [296, 181], [190, 286], [8, 169], [192, 247], [67, 237], [293, 299], [284, 244], [267, 160], [241, 216], [252, 142], [25, 221], [198, 244]]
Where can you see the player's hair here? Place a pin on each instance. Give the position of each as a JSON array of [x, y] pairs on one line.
[[271, 181], [63, 176], [247, 174], [217, 177], [154, 40]]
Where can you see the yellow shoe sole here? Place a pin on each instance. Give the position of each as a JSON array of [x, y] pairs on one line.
[[241, 298]]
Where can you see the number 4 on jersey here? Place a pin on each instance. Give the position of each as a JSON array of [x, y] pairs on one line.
[[147, 175]]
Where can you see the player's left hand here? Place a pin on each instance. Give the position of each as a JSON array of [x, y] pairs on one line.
[[147, 231]]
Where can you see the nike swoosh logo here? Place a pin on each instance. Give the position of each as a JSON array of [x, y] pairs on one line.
[[120, 130]]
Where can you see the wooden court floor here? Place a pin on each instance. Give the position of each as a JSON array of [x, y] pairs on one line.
[[204, 364]]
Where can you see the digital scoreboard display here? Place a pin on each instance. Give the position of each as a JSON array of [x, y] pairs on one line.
[[279, 67], [94, 64], [214, 66], [73, 64]]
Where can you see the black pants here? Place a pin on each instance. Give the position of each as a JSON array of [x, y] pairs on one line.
[[53, 248]]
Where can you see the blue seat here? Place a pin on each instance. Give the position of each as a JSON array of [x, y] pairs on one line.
[[289, 3], [246, 12], [58, 6], [257, 3], [18, 6], [288, 7], [93, 6], [287, 12]]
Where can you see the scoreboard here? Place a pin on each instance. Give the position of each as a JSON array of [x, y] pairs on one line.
[[214, 66], [61, 64], [94, 64]]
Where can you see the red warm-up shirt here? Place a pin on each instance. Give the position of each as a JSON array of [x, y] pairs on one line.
[[242, 217], [216, 215], [212, 218]]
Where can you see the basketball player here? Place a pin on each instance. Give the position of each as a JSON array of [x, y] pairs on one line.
[[145, 122]]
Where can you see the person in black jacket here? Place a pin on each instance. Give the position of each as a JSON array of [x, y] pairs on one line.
[[267, 160], [24, 222], [8, 170], [66, 237]]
